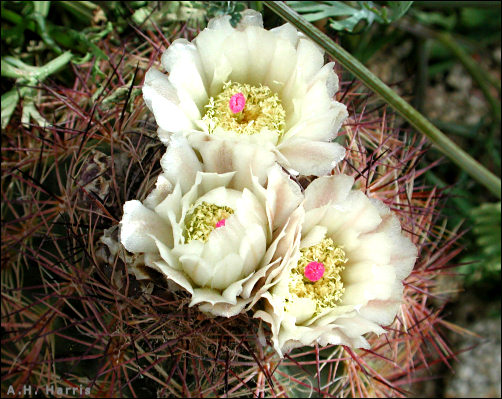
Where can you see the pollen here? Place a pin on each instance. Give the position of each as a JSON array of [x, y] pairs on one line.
[[203, 219], [317, 275], [245, 109]]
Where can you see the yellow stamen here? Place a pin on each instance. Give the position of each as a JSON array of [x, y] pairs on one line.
[[262, 109], [326, 292], [202, 220]]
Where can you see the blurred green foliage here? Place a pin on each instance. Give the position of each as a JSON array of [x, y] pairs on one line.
[[365, 11], [40, 38], [484, 261], [37, 43]]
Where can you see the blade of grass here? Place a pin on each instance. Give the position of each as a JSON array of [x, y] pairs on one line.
[[443, 143], [84, 10], [42, 8]]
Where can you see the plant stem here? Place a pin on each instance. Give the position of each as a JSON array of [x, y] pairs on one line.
[[445, 145], [15, 68], [84, 10], [17, 19]]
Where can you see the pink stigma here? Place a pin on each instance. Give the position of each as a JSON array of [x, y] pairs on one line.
[[220, 223], [314, 271], [237, 103]]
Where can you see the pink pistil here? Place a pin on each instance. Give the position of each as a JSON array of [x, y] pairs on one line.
[[237, 103], [220, 223], [314, 271]]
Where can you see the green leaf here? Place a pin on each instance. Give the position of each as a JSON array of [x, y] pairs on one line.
[[27, 74], [487, 232], [53, 66], [478, 18], [44, 32], [141, 15], [232, 8], [348, 24], [71, 38], [15, 68], [9, 102], [435, 18], [367, 11], [42, 8], [30, 111], [314, 12], [399, 9], [13, 37], [83, 10]]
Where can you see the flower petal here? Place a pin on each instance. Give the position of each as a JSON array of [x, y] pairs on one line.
[[282, 64], [250, 17], [404, 253], [166, 254], [182, 61], [283, 196], [197, 269], [245, 159], [302, 309], [252, 248], [313, 237], [360, 294], [317, 125], [356, 326], [209, 295], [235, 289], [224, 309], [288, 32], [327, 189], [180, 164], [226, 271], [261, 46], [138, 225], [311, 157], [170, 207], [236, 52], [319, 117], [161, 98], [210, 45], [368, 271], [381, 312], [375, 247], [310, 59], [356, 214], [163, 188], [175, 275]]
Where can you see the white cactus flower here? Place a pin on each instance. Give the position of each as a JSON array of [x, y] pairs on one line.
[[268, 88], [221, 236], [346, 278]]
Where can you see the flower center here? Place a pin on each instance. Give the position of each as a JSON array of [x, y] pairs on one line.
[[314, 271], [203, 219], [237, 103], [245, 109], [317, 275], [220, 223]]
